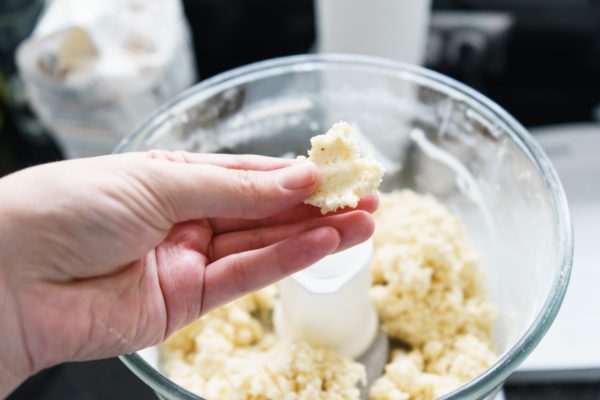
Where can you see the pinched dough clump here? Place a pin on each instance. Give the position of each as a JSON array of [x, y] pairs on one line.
[[344, 176], [434, 370], [231, 353], [428, 291]]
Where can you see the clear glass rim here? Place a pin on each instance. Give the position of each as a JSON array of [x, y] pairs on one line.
[[496, 374]]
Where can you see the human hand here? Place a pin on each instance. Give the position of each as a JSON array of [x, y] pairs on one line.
[[108, 255]]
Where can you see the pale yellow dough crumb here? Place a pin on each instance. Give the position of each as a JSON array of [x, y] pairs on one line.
[[230, 354], [428, 291], [344, 176]]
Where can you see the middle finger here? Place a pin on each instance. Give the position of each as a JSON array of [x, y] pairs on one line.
[[350, 225]]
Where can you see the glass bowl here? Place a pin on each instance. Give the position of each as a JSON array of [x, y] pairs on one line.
[[433, 135]]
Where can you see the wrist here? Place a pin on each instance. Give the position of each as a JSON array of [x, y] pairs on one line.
[[15, 363]]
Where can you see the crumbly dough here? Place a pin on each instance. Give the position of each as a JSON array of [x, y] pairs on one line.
[[428, 291], [344, 176], [232, 353]]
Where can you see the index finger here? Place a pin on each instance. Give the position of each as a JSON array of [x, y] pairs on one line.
[[251, 162]]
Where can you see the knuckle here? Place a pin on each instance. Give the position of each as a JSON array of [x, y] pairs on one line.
[[245, 184], [180, 156], [241, 274], [258, 241], [157, 154], [174, 156]]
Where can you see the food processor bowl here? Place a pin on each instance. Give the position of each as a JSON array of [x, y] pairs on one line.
[[433, 135]]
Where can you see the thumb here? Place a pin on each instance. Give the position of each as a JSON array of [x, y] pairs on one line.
[[191, 191]]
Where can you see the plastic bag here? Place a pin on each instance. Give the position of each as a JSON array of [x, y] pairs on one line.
[[95, 69]]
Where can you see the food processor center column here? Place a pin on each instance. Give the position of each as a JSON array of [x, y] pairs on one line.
[[328, 304]]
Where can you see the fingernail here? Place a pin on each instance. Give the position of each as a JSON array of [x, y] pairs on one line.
[[297, 176]]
